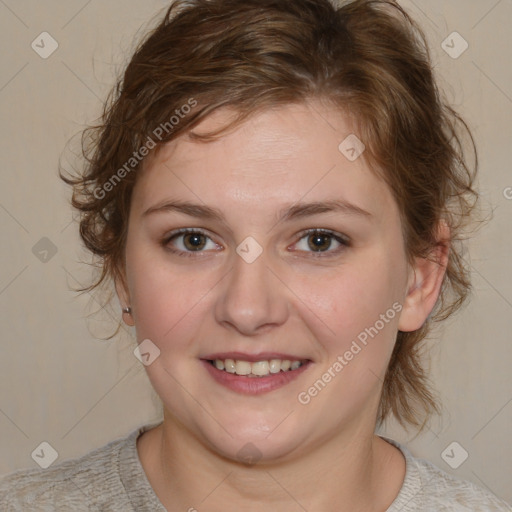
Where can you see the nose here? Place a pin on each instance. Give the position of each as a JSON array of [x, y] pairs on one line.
[[252, 299]]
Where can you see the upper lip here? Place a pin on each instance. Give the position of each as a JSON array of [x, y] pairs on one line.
[[262, 356]]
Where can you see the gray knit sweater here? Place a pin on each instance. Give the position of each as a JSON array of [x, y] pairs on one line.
[[111, 478]]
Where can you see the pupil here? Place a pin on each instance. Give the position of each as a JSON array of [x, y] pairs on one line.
[[320, 241], [194, 241]]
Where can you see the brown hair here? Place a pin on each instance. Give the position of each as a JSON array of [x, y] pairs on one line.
[[366, 57]]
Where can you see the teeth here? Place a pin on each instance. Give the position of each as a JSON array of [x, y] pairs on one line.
[[275, 366], [242, 368], [260, 368], [257, 369], [229, 365], [285, 365]]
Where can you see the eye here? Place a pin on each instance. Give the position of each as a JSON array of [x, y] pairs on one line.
[[322, 241], [187, 241]]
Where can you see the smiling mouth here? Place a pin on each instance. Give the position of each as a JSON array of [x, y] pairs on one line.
[[263, 368]]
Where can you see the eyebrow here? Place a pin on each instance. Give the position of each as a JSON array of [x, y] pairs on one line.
[[289, 212]]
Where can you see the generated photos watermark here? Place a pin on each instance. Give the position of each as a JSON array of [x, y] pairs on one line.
[[304, 397], [158, 133]]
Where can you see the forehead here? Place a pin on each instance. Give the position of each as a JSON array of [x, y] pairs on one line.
[[277, 156]]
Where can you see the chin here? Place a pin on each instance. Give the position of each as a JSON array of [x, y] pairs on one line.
[[253, 444]]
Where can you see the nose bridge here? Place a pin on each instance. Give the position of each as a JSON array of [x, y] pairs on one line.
[[251, 297]]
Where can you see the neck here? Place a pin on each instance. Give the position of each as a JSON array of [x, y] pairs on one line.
[[353, 471]]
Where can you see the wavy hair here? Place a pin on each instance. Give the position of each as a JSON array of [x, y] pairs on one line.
[[366, 57]]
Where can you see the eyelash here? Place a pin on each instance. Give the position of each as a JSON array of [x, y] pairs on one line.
[[344, 241]]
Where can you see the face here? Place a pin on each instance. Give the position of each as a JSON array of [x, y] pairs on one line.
[[291, 252]]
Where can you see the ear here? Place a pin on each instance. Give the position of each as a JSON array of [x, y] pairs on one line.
[[124, 298], [424, 284]]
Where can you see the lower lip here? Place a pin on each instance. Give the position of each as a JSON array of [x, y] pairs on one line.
[[254, 385]]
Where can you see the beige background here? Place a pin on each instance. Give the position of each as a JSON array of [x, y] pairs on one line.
[[61, 385]]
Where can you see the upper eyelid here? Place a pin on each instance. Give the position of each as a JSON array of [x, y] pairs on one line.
[[323, 231], [185, 231]]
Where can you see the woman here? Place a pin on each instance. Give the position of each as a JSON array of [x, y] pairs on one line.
[[276, 193]]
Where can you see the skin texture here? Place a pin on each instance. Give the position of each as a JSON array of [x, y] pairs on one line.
[[291, 299]]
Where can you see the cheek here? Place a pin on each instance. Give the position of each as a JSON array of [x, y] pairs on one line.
[[357, 303], [361, 307], [164, 298], [348, 301]]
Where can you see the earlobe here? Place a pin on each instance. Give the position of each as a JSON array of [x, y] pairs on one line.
[[124, 300], [424, 284]]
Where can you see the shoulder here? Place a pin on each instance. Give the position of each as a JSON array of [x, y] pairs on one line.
[[453, 493], [76, 484], [427, 487]]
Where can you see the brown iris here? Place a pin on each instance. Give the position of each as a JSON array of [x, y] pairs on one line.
[[319, 242], [194, 241]]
